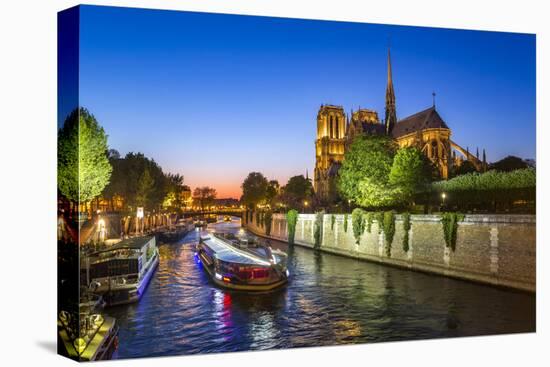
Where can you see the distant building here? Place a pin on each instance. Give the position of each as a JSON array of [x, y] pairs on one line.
[[425, 129]]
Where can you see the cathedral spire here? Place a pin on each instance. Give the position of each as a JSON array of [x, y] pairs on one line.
[[391, 116]]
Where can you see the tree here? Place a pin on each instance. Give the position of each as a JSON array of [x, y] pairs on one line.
[[144, 188], [173, 199], [254, 188], [83, 167], [464, 168], [410, 172], [363, 177], [297, 190], [272, 191], [510, 163], [204, 196]]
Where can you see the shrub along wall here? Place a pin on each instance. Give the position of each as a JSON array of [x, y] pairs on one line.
[[494, 249]]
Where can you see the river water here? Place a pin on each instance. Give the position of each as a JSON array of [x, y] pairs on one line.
[[329, 300]]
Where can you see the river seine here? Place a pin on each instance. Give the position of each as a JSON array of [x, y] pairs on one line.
[[329, 300]]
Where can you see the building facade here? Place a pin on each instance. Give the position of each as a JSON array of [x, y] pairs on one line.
[[426, 130]]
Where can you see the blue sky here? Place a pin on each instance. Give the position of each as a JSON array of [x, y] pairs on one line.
[[214, 97]]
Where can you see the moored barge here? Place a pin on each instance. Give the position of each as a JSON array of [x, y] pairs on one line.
[[122, 272], [233, 266]]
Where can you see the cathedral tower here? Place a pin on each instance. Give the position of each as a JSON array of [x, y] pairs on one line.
[[329, 148], [391, 116]]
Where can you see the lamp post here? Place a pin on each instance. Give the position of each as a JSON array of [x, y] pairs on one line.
[[305, 205], [443, 196]]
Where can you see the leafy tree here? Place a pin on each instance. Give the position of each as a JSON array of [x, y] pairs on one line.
[[83, 167], [510, 163], [272, 191], [144, 188], [173, 199], [410, 173], [297, 190], [363, 177], [204, 196], [254, 188], [464, 168]]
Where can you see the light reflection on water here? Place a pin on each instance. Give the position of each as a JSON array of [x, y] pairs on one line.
[[329, 300]]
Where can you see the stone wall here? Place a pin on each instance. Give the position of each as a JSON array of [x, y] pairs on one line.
[[494, 249]]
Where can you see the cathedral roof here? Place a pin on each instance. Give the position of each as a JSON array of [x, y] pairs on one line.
[[373, 129], [427, 119]]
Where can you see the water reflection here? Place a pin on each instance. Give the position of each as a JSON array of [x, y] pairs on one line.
[[329, 300]]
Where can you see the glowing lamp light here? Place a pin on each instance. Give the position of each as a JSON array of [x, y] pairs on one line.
[[287, 273], [443, 196], [218, 276], [226, 279]]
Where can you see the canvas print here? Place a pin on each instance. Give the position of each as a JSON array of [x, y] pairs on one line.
[[242, 183]]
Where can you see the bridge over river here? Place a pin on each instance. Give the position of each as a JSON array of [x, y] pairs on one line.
[[329, 300]]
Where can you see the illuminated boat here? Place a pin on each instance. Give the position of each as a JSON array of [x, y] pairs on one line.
[[122, 272], [231, 266]]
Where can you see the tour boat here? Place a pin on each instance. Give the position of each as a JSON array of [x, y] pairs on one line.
[[234, 266], [122, 272]]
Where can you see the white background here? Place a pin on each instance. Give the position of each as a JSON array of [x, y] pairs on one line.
[[28, 182]]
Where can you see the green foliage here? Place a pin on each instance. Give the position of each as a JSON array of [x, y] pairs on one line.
[[137, 188], [369, 219], [358, 223], [83, 169], [255, 188], [268, 217], [318, 229], [465, 168], [406, 227], [363, 177], [345, 222], [332, 221], [379, 217], [291, 220], [144, 188], [271, 191], [410, 173], [389, 230], [450, 220], [486, 191], [297, 190], [489, 181]]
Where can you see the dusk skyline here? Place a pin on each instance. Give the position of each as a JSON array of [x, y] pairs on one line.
[[190, 90]]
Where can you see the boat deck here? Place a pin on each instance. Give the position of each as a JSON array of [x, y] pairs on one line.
[[228, 253]]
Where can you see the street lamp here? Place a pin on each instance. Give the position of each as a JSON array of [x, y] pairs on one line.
[[443, 196], [305, 205]]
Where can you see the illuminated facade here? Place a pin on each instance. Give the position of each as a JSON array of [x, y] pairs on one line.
[[425, 130]]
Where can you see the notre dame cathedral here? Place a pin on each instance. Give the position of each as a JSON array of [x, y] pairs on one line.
[[425, 129]]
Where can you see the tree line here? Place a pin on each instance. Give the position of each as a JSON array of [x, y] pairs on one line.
[[259, 191], [88, 170]]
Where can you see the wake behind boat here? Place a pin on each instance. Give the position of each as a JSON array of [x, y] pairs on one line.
[[232, 264]]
